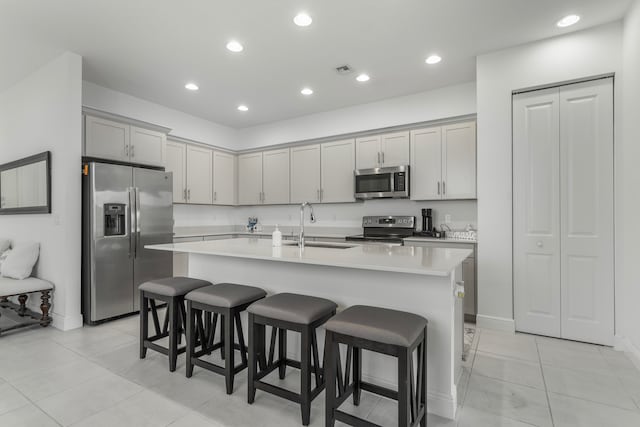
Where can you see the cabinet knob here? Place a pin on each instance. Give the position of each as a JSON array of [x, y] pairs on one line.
[[539, 243]]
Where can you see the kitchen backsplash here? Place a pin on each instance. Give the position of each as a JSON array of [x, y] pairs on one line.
[[462, 212]]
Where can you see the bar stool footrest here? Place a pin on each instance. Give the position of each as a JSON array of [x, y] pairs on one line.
[[382, 391]]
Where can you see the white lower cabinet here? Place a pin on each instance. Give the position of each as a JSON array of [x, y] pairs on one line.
[[250, 179], [305, 174], [199, 175], [275, 177], [224, 178]]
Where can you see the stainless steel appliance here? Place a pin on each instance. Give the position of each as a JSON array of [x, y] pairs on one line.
[[124, 208], [381, 183], [385, 229]]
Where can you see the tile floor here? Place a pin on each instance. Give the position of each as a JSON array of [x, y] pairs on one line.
[[93, 377]]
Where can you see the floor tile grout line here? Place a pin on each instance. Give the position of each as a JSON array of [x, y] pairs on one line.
[[544, 381], [33, 403], [594, 401]]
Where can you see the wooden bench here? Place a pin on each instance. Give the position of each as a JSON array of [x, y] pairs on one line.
[[22, 289]]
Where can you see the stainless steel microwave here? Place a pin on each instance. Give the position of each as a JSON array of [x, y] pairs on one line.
[[381, 183]]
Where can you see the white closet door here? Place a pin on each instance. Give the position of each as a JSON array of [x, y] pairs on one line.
[[586, 192], [536, 212]]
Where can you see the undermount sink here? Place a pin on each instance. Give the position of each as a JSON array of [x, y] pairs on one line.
[[321, 245]]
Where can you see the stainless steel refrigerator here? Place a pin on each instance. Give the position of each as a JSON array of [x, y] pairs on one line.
[[124, 208]]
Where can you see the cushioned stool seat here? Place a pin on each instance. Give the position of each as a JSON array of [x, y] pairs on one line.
[[204, 306], [170, 290], [226, 295], [173, 286], [294, 308], [378, 324]]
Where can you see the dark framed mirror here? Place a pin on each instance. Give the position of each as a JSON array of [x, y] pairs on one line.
[[25, 185]]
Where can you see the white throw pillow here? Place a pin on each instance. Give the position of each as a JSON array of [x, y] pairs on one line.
[[20, 261], [5, 244]]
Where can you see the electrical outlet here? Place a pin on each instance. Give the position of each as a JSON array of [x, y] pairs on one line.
[[447, 219]]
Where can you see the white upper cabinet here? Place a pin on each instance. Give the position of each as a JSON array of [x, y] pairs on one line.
[[147, 146], [275, 177], [112, 140], [459, 161], [368, 152], [176, 162], [443, 162], [199, 175], [106, 139], [250, 179], [224, 178], [394, 149], [337, 165], [378, 151], [426, 164], [305, 174]]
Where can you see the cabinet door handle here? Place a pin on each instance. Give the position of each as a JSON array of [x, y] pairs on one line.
[[126, 150], [438, 188], [444, 191], [215, 195], [189, 194], [185, 195], [133, 151], [383, 157]]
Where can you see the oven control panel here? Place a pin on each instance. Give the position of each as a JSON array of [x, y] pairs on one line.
[[389, 221]]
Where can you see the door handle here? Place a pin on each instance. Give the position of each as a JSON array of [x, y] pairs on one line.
[[378, 157], [215, 195], [185, 194], [126, 150], [438, 188], [138, 230], [444, 191], [383, 157], [131, 220], [133, 151], [188, 194], [539, 243]]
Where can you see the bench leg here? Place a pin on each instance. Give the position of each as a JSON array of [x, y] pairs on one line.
[[22, 299], [44, 308]]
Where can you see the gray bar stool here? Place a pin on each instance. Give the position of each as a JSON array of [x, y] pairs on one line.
[[204, 305], [287, 312], [390, 332], [172, 291]]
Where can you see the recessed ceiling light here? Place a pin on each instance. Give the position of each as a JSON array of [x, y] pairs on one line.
[[235, 46], [433, 59], [302, 20], [363, 77], [306, 91], [568, 21], [191, 86], [243, 108]]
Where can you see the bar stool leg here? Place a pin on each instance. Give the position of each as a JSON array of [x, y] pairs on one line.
[[404, 410], [305, 376], [144, 324], [423, 386], [357, 375], [191, 313], [229, 351], [282, 353], [330, 379], [253, 360], [222, 335], [173, 334]]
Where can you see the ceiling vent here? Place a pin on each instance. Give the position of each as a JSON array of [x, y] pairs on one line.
[[344, 69]]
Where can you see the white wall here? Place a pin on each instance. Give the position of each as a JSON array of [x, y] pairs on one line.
[[181, 124], [350, 215], [450, 101], [576, 55], [629, 151], [43, 112]]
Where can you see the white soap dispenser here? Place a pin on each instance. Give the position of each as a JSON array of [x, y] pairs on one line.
[[276, 238]]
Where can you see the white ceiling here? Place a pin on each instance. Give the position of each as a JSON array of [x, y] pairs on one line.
[[151, 48]]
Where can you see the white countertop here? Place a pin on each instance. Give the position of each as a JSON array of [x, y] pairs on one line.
[[433, 239], [401, 259]]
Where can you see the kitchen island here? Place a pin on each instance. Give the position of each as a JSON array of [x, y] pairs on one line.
[[420, 280]]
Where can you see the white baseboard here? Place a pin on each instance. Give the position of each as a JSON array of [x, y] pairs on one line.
[[497, 323], [624, 344], [437, 403], [66, 323]]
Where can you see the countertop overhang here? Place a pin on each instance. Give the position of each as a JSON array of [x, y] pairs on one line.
[[427, 261]]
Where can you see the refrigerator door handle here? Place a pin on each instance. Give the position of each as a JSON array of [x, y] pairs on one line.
[[131, 221], [137, 247]]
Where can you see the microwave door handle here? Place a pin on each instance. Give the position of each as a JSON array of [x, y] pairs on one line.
[[392, 187]]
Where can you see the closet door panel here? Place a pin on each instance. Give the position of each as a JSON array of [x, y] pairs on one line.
[[536, 213], [586, 165]]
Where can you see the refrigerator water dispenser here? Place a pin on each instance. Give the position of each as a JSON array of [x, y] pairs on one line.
[[114, 219]]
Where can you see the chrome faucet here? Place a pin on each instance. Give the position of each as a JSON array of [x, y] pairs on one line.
[[312, 218]]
